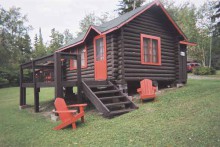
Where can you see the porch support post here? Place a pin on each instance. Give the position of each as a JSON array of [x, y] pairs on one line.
[[58, 75], [36, 93], [24, 95], [21, 88], [79, 79]]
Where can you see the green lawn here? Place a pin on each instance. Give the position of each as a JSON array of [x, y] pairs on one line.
[[189, 116]]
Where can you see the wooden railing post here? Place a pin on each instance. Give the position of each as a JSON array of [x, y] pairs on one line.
[[58, 75], [79, 79]]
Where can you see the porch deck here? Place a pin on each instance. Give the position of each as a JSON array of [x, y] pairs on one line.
[[48, 72]]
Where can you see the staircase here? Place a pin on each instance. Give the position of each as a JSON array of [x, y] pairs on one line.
[[107, 98]]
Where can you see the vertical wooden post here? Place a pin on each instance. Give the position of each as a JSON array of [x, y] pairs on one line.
[[58, 76], [24, 95], [21, 88], [122, 51], [36, 93], [79, 79], [179, 66]]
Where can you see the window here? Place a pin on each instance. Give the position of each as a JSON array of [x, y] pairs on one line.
[[99, 44], [83, 52], [83, 57], [150, 50]]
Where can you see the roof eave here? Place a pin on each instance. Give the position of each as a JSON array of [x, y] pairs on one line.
[[81, 41]]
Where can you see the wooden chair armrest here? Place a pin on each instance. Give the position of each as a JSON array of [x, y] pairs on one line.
[[69, 111], [77, 105]]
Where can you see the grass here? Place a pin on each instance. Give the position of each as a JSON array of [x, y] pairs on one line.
[[188, 116]]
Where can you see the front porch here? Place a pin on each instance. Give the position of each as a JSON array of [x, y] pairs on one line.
[[49, 71]]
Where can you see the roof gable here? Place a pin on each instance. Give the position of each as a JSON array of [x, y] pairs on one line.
[[118, 23]]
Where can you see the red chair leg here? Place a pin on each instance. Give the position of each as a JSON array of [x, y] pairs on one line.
[[74, 125]]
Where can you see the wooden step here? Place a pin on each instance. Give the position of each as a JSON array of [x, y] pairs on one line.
[[118, 103], [107, 91], [111, 97], [99, 86], [121, 111]]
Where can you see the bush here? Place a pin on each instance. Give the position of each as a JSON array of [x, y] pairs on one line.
[[11, 77], [204, 71], [3, 82]]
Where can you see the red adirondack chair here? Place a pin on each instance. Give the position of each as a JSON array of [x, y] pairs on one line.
[[67, 116], [147, 90]]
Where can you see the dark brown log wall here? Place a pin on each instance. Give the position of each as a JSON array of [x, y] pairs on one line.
[[152, 22]]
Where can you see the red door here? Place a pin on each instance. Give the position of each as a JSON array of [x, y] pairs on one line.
[[100, 58]]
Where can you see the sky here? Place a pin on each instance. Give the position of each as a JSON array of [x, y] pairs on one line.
[[64, 14]]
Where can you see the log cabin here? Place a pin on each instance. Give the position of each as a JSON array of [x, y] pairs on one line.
[[109, 60]]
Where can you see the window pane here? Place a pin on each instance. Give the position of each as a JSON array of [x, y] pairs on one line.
[[146, 50], [155, 50], [83, 53], [99, 49], [74, 61]]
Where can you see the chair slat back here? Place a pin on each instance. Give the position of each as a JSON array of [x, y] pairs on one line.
[[147, 87], [60, 105]]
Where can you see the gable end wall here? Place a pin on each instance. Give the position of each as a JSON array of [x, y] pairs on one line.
[[152, 22]]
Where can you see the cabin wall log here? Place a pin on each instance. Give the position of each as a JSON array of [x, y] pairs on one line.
[[154, 24]]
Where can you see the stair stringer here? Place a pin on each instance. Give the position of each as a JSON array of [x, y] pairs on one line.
[[95, 100], [133, 105]]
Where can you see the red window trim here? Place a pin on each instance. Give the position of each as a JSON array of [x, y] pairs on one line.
[[142, 49], [73, 66], [104, 43]]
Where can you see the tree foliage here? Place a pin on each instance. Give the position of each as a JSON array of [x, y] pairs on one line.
[[216, 36], [15, 43], [92, 19], [56, 41], [197, 25], [39, 46], [216, 19], [128, 5], [67, 36]]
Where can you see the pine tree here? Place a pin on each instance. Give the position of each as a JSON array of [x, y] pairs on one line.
[[128, 5], [67, 36], [39, 47], [57, 40]]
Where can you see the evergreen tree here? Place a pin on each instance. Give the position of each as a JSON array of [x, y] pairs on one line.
[[128, 5], [57, 40], [216, 19], [39, 47], [67, 36], [25, 48], [216, 36]]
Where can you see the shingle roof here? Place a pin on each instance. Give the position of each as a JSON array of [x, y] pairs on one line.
[[118, 22], [109, 25]]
